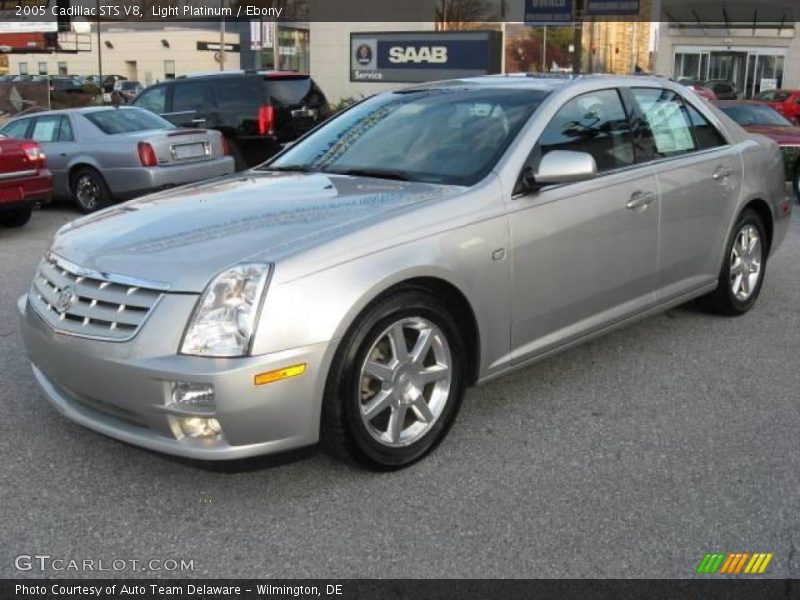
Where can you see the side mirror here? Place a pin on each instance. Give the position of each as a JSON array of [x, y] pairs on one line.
[[565, 166]]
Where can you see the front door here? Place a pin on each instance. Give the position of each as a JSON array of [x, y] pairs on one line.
[[584, 254]]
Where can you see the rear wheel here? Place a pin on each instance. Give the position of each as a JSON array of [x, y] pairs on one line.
[[16, 217], [796, 181], [89, 190], [396, 383], [743, 270]]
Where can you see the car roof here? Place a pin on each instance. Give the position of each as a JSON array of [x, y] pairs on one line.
[[544, 81]]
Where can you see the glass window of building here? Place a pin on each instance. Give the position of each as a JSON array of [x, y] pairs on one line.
[[169, 69], [62, 68], [42, 68], [23, 68]]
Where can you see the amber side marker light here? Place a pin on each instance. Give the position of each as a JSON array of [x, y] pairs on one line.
[[277, 375]]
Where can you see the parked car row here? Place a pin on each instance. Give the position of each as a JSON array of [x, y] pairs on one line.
[[176, 132], [98, 155], [757, 117]]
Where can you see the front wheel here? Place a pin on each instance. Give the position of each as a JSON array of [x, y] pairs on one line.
[[743, 270], [396, 383]]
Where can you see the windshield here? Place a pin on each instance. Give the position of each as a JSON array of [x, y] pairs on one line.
[[115, 120], [436, 135], [755, 114]]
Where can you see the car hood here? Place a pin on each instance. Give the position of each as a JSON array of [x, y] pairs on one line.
[[185, 236], [781, 134]]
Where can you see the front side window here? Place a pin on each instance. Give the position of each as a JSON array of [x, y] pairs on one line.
[[451, 135], [17, 129], [595, 123], [666, 129], [153, 100]]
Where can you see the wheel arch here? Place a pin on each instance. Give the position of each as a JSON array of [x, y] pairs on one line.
[[81, 163], [453, 298], [764, 212]]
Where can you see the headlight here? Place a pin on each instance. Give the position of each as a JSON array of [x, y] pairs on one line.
[[225, 316]]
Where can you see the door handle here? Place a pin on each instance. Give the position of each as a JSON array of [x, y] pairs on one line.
[[721, 173], [198, 121], [640, 200]]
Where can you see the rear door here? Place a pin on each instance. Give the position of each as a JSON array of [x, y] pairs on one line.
[[699, 177], [298, 103], [193, 104]]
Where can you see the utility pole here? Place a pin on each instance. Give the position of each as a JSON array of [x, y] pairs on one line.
[[221, 37], [577, 37], [544, 50], [503, 36], [99, 53]]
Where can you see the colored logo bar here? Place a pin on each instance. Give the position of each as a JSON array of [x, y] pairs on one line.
[[734, 563]]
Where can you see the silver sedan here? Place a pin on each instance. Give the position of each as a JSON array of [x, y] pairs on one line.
[[418, 243], [101, 154]]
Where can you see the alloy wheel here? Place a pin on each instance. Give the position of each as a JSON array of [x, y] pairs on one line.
[[405, 382], [745, 262], [87, 191]]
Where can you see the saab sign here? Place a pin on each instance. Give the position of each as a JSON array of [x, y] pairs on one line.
[[410, 56]]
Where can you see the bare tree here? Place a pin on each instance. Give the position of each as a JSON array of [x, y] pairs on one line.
[[464, 14]]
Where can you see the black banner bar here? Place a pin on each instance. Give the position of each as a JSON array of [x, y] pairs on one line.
[[394, 589]]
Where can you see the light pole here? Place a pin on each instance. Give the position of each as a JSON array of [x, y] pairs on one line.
[[99, 53]]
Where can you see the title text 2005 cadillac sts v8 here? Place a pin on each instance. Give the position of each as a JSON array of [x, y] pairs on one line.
[[420, 242]]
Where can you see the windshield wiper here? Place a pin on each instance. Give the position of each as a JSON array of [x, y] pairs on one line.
[[379, 173]]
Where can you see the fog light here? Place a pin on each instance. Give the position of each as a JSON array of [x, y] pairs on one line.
[[199, 427], [193, 394]]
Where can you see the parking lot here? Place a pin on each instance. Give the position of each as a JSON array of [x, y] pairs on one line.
[[630, 456]]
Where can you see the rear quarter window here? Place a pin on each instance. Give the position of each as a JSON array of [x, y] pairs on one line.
[[237, 93], [288, 91]]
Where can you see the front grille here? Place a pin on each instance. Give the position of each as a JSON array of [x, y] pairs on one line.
[[89, 305]]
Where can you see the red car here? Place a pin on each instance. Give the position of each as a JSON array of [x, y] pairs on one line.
[[786, 102], [758, 117], [699, 89], [24, 180]]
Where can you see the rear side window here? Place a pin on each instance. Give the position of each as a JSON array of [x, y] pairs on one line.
[[780, 96], [595, 123], [191, 96], [17, 129], [666, 129], [153, 100]]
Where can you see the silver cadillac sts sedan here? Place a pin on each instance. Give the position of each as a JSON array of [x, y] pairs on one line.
[[416, 244]]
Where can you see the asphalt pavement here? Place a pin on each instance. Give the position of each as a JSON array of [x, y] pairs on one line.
[[630, 456]]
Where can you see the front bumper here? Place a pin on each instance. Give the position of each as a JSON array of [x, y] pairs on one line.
[[122, 389]]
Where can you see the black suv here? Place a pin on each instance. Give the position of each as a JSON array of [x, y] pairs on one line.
[[256, 111]]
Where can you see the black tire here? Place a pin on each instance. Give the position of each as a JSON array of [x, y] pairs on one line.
[[796, 181], [343, 432], [16, 217], [238, 158], [89, 190], [723, 301]]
